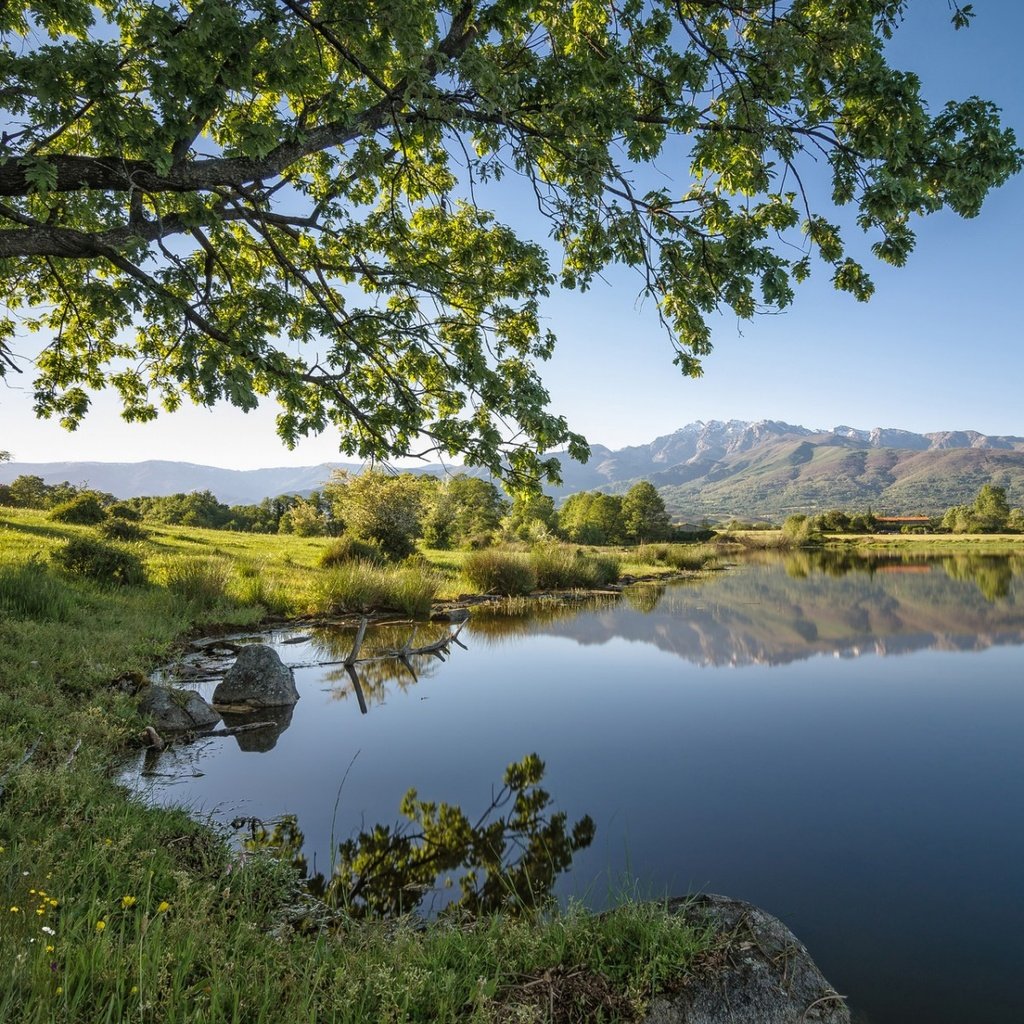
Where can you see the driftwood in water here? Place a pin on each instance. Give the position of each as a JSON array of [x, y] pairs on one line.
[[233, 730], [404, 654]]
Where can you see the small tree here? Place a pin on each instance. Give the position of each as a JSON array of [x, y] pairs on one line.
[[304, 519], [644, 516], [378, 507], [532, 517], [991, 509]]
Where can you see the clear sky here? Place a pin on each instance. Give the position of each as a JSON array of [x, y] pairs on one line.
[[939, 346]]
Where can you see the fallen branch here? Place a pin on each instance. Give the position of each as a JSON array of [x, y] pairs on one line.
[[353, 655], [233, 730], [74, 751]]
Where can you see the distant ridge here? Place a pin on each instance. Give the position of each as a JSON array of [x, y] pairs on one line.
[[715, 469]]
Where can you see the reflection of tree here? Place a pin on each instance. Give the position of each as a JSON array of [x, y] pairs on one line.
[[376, 676], [643, 597], [508, 860], [991, 574], [521, 616]]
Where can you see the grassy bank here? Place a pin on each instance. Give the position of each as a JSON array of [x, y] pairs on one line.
[[113, 911], [910, 543]]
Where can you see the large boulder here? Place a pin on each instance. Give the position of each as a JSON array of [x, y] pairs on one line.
[[761, 974], [169, 709], [258, 679]]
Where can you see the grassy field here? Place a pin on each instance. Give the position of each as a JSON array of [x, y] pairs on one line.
[[113, 911]]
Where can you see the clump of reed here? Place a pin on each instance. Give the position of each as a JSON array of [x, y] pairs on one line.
[[493, 571], [199, 580], [346, 548], [366, 587], [689, 557], [562, 567]]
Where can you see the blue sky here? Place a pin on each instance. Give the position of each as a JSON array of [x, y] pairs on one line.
[[938, 347]]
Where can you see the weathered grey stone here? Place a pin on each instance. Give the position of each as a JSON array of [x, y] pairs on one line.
[[259, 679], [764, 975], [169, 709], [260, 740]]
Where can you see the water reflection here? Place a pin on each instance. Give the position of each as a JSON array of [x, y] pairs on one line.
[[871, 803], [508, 860], [396, 654], [991, 574], [823, 603]]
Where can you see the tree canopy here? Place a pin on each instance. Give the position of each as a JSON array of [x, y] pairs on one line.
[[292, 198]]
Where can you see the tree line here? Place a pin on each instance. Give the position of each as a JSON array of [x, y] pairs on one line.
[[990, 512], [393, 511]]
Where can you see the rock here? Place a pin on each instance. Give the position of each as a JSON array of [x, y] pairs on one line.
[[258, 679], [259, 740], [168, 709], [763, 976]]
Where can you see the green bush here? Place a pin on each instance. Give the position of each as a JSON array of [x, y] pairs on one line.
[[681, 556], [121, 529], [83, 510], [201, 581], [122, 510], [100, 562], [29, 591], [500, 572], [563, 568], [364, 587], [346, 548]]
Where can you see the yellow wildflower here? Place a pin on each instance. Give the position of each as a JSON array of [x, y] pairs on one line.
[[52, 903], [164, 907], [40, 910], [127, 901], [135, 989], [49, 949], [60, 989], [15, 910], [100, 925]]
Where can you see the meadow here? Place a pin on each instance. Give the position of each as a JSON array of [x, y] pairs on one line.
[[115, 911]]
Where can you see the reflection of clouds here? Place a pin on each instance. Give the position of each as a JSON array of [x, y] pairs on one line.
[[765, 613]]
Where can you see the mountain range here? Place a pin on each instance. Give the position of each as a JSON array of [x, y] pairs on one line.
[[715, 469]]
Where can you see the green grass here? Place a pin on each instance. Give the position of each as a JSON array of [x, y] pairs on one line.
[[365, 587], [132, 913]]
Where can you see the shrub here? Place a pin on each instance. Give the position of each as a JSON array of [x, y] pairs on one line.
[[122, 510], [562, 568], [100, 562], [500, 572], [122, 529], [29, 591], [346, 548], [82, 510], [684, 556], [364, 587], [201, 581]]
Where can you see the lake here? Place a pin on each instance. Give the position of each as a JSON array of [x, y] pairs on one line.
[[836, 739]]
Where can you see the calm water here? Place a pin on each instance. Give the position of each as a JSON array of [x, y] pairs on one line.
[[839, 743]]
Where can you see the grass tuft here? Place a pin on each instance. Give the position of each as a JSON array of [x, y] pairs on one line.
[[508, 573], [365, 587], [28, 590]]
